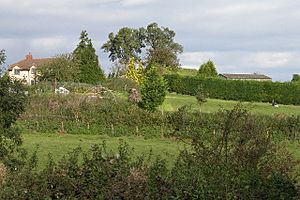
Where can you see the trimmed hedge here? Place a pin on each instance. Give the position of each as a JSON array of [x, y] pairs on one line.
[[252, 91]]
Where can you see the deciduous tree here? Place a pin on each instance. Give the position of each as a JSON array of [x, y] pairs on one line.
[[134, 73], [61, 69], [157, 42], [296, 78], [126, 44]]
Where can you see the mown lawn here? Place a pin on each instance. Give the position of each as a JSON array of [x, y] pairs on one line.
[[174, 101], [60, 145]]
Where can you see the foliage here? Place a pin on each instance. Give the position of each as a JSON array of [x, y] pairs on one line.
[[163, 57], [296, 78], [12, 104], [133, 73], [2, 56], [2, 61], [283, 93], [153, 89], [120, 84], [62, 69], [237, 160], [200, 95], [86, 60], [162, 48], [208, 69], [158, 42], [126, 44], [81, 114]]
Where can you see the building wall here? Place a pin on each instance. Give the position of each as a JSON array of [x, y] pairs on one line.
[[25, 75]]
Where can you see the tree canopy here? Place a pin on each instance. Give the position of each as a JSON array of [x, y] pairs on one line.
[[151, 41], [2, 56], [126, 44], [61, 69], [296, 78], [2, 59], [86, 61], [134, 73], [208, 69]]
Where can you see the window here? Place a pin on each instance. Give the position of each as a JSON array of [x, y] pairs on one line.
[[16, 71], [33, 71]]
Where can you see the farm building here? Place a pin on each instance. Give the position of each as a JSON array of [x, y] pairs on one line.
[[249, 77]]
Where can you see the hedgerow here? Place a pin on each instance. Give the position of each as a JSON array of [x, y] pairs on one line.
[[252, 91]]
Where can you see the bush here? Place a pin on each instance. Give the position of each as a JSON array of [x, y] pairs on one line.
[[12, 104], [237, 161], [79, 114], [153, 90], [200, 95]]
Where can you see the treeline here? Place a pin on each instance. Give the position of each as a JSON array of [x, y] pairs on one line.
[[251, 91]]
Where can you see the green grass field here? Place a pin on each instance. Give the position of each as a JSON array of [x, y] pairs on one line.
[[187, 72], [174, 101], [60, 145]]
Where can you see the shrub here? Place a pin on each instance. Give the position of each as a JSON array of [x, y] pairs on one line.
[[200, 95], [153, 90], [237, 161], [12, 104]]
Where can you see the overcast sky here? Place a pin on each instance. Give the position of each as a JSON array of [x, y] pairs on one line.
[[242, 36]]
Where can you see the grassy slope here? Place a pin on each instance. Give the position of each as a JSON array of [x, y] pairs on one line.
[[167, 148], [187, 72], [174, 101], [61, 145]]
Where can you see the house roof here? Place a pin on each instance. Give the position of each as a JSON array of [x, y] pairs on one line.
[[245, 76], [29, 61]]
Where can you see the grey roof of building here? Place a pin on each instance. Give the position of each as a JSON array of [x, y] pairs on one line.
[[245, 76]]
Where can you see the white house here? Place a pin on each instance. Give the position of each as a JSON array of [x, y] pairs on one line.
[[25, 69]]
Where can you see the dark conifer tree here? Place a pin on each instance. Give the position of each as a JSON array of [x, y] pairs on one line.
[[87, 62]]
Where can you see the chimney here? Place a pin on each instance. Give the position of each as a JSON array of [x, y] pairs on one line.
[[28, 56]]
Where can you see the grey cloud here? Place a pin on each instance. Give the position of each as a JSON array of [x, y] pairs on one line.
[[240, 35]]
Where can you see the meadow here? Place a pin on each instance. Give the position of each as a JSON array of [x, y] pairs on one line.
[[59, 145], [174, 101]]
